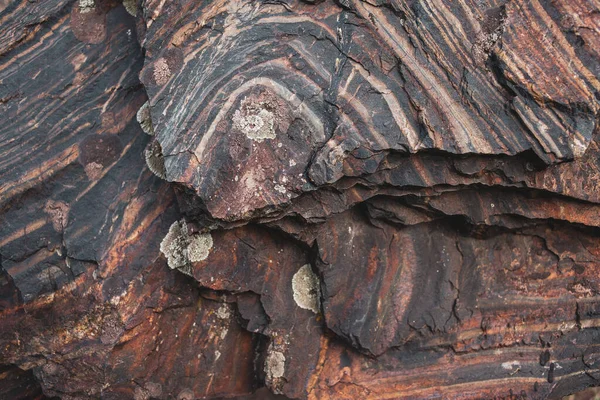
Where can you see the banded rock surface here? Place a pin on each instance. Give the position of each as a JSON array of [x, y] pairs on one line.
[[288, 97], [356, 199]]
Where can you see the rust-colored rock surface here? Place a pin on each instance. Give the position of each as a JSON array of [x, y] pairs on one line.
[[353, 199]]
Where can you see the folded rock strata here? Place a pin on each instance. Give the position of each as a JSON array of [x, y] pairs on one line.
[[347, 199]]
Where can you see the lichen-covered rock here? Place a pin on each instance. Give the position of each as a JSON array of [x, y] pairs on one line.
[[180, 248], [319, 199], [145, 119], [341, 89], [307, 289]]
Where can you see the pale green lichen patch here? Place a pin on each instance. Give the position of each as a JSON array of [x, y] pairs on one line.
[[306, 289], [86, 6], [181, 248], [223, 312], [130, 6], [144, 119], [255, 121], [274, 365], [174, 245], [199, 247], [155, 160]]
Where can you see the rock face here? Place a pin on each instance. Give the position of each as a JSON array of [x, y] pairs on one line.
[[299, 199]]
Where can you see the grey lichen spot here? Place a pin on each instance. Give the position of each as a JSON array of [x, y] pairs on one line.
[[174, 245], [144, 118], [162, 72], [130, 6], [255, 121], [93, 171], [155, 160], [181, 248], [274, 365], [199, 247], [223, 312], [306, 289], [280, 188], [86, 6]]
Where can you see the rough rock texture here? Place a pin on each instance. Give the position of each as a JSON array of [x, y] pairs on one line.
[[353, 199]]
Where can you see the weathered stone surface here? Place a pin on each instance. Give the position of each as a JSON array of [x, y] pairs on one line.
[[288, 96], [299, 199]]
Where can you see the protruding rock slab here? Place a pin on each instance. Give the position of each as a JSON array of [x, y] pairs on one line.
[[252, 100]]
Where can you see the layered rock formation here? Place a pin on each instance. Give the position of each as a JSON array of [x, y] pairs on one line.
[[344, 199]]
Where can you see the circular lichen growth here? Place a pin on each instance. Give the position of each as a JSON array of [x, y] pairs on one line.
[[145, 119], [155, 160], [199, 247], [86, 6], [181, 249], [255, 121], [306, 289], [130, 6], [174, 245]]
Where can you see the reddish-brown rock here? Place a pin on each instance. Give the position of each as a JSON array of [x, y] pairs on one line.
[[299, 199]]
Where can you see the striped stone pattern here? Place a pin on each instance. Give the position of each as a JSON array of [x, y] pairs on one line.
[[350, 85], [168, 168]]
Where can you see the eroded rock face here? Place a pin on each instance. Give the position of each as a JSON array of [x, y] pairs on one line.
[[328, 199]]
